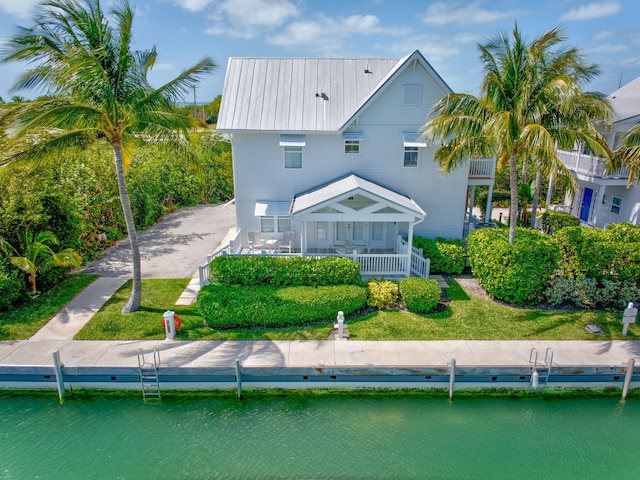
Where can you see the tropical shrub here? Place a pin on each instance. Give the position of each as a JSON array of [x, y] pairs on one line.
[[517, 273], [235, 306], [12, 289], [284, 271], [610, 254], [447, 256], [420, 295], [553, 221], [382, 293], [587, 293]]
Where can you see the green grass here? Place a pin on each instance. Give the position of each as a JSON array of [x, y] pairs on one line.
[[27, 318], [471, 318], [467, 318]]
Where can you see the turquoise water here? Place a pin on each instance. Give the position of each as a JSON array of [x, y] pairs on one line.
[[322, 436]]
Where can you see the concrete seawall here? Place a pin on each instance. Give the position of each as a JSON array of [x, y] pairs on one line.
[[320, 364]]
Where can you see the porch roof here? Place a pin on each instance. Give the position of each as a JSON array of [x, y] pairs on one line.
[[348, 186]]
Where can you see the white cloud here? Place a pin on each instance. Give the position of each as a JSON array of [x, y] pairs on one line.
[[164, 66], [20, 8], [433, 47], [326, 35], [592, 10], [458, 13], [603, 34], [248, 18], [193, 5], [608, 48]]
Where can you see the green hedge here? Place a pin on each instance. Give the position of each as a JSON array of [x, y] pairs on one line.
[[611, 254], [517, 273], [236, 306], [420, 295], [285, 271], [554, 221], [382, 293], [447, 256], [12, 289]]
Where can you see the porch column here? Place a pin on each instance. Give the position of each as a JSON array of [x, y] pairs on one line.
[[487, 213], [550, 189], [409, 253], [472, 196], [303, 239]]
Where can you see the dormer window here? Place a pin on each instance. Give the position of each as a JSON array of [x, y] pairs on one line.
[[352, 142], [413, 95]]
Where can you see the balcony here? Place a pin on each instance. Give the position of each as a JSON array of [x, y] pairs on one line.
[[482, 171], [592, 168]]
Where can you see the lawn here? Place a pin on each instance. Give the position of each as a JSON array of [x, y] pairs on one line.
[[467, 318], [27, 318]]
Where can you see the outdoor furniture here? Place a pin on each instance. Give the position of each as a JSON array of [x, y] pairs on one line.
[[272, 245], [255, 242], [288, 240]]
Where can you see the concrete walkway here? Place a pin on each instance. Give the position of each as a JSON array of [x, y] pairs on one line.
[[312, 354], [173, 248]]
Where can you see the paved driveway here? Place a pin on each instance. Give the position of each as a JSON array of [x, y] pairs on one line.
[[174, 247]]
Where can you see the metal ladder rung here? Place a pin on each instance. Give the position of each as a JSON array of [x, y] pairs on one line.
[[149, 374]]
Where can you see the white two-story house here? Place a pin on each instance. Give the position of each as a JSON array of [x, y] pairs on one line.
[[329, 148], [604, 198]]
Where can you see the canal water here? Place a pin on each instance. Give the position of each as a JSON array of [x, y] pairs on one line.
[[300, 436]]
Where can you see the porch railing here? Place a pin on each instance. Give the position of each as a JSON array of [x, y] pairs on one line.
[[590, 165], [482, 168]]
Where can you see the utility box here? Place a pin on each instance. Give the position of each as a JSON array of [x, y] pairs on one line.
[[628, 316]]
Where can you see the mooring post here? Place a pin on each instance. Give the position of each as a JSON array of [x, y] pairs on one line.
[[452, 377], [627, 377], [59, 378], [239, 377]]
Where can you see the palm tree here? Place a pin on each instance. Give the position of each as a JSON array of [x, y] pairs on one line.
[[628, 154], [38, 256], [525, 86], [97, 89]]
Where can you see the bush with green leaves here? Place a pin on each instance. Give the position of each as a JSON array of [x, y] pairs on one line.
[[382, 293], [236, 306], [586, 292], [447, 256], [284, 271], [610, 254], [517, 273], [420, 295], [554, 221], [12, 289]]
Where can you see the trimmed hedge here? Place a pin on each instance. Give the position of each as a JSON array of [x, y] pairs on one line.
[[587, 293], [285, 271], [517, 273], [236, 306], [447, 256], [420, 295], [382, 293], [554, 221]]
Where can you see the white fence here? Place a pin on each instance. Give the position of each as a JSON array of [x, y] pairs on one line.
[[590, 165], [482, 168]]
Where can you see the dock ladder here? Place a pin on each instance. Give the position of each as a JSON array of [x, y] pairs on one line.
[[540, 372], [149, 374]]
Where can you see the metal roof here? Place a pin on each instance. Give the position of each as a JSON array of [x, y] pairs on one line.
[[351, 184], [304, 94], [626, 101]]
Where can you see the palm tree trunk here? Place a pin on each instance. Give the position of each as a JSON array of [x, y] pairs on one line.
[[136, 292], [536, 195], [513, 184]]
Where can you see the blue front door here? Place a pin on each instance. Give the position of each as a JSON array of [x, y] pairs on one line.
[[586, 204]]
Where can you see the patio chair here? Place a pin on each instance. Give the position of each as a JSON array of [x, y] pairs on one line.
[[255, 241], [288, 240]]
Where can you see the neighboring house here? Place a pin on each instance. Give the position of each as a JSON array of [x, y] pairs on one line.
[[330, 149], [604, 198]]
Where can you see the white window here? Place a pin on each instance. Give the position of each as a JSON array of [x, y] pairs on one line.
[[412, 94], [275, 224], [293, 145], [616, 203], [292, 157], [322, 231], [352, 143], [412, 143]]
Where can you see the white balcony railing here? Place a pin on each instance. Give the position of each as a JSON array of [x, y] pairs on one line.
[[482, 168], [590, 165]]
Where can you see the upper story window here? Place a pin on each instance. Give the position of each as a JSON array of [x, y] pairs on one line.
[[352, 142], [293, 146], [412, 144], [616, 204], [412, 94]]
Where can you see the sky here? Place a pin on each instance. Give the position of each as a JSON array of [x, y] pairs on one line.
[[447, 33]]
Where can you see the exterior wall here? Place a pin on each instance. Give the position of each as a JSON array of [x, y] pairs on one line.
[[260, 174], [601, 211]]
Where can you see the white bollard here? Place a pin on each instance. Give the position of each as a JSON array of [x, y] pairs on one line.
[[340, 325], [169, 324], [628, 316]]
